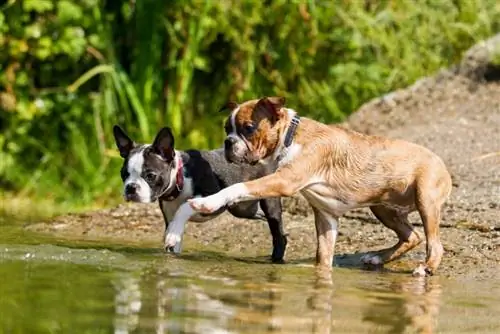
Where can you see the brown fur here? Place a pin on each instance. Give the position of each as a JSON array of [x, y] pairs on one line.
[[339, 169]]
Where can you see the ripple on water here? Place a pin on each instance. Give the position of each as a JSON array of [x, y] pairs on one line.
[[47, 287]]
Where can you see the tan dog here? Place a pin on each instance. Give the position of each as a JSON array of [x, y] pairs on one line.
[[336, 170]]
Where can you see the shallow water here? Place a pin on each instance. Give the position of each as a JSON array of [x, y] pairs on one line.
[[51, 285]]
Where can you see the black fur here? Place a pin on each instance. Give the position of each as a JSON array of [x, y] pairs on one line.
[[211, 172]]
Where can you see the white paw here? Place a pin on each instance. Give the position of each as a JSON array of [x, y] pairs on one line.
[[372, 259], [207, 204], [172, 240], [421, 271]]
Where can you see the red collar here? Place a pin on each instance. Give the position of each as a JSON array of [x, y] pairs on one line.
[[179, 183]]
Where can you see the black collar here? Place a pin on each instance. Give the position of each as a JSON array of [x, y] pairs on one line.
[[290, 133], [179, 184]]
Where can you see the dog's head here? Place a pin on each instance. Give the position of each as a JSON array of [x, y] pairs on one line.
[[254, 129], [148, 171]]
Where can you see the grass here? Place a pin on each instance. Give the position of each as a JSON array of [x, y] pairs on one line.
[[29, 209], [147, 64]]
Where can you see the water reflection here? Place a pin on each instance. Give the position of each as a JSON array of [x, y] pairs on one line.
[[189, 309], [321, 302], [275, 303], [412, 305], [46, 288], [127, 303]]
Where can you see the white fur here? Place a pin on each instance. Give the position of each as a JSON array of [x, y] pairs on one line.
[[170, 208], [333, 225], [177, 216], [239, 147], [233, 122], [134, 168], [420, 271], [372, 259], [236, 193], [173, 173], [289, 154], [176, 227]]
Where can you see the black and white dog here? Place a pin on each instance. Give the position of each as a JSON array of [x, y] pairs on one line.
[[159, 172]]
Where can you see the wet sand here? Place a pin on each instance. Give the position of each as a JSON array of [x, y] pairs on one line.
[[455, 113]]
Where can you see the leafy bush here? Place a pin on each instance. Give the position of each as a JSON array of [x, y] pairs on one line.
[[71, 69]]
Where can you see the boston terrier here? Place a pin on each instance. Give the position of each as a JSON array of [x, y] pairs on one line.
[[158, 171]]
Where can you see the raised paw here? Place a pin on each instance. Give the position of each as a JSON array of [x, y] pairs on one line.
[[372, 259], [206, 204]]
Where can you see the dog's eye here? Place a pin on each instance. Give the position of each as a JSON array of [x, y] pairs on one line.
[[150, 177], [249, 128]]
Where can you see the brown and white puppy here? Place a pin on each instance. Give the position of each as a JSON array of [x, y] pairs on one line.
[[337, 170]]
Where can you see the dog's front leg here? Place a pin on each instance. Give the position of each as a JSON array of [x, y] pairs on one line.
[[175, 229], [326, 233], [283, 183]]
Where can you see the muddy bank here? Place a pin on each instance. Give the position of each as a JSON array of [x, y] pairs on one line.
[[455, 113]]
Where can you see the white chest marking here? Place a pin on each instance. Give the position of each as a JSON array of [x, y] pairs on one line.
[[288, 154]]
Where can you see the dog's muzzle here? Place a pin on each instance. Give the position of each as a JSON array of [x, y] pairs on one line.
[[229, 148], [131, 192], [236, 151]]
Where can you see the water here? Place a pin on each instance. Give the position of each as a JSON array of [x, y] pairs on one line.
[[59, 286]]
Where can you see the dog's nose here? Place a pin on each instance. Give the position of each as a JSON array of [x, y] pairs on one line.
[[131, 188], [229, 142]]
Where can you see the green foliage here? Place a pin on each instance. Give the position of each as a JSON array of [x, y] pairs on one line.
[[71, 69]]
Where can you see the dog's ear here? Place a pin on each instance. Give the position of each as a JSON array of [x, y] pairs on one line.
[[123, 142], [163, 144], [271, 105], [229, 106]]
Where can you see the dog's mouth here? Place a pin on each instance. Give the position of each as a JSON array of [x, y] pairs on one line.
[[251, 158], [229, 156], [252, 162], [248, 158], [233, 158], [137, 199], [131, 198]]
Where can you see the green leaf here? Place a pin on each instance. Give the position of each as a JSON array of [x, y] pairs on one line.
[[39, 6], [68, 11]]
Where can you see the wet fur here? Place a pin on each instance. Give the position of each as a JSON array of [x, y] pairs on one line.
[[337, 170]]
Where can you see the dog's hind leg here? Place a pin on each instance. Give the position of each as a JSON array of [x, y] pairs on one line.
[[429, 204], [398, 222], [273, 212]]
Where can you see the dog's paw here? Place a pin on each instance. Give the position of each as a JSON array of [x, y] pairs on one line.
[[422, 271], [171, 241], [206, 204], [372, 259]]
